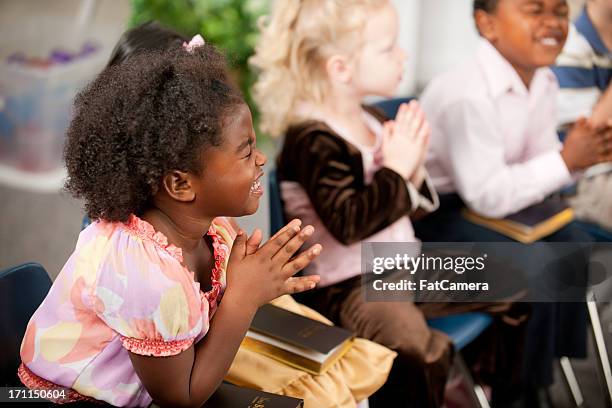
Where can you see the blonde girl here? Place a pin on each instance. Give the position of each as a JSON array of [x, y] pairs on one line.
[[352, 173]]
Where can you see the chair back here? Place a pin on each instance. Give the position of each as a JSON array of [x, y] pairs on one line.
[[390, 106], [462, 328], [277, 215], [22, 290], [85, 222]]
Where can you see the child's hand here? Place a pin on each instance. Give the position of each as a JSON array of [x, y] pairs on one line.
[[405, 140], [587, 145], [252, 244], [258, 275], [418, 176]]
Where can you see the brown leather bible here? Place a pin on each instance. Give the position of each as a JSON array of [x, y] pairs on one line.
[[231, 396], [529, 225], [296, 340]]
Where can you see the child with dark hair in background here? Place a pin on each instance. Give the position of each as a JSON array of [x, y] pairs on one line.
[[494, 149], [148, 36]]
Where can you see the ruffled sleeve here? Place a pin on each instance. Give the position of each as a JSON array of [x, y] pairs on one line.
[[223, 232], [145, 294]]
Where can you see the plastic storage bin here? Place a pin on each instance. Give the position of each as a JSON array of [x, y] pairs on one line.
[[35, 112], [36, 98]]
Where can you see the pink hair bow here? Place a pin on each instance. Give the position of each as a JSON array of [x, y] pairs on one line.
[[196, 41]]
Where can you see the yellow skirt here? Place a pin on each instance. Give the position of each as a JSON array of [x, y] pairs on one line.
[[353, 378]]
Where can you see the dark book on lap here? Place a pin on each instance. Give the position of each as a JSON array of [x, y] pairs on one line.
[[528, 225], [231, 396], [296, 340]]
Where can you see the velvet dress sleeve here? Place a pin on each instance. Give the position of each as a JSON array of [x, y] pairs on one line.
[[331, 172]]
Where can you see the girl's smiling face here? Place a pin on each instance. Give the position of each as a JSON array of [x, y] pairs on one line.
[[230, 182]]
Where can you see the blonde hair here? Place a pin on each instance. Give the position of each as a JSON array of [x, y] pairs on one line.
[[295, 42]]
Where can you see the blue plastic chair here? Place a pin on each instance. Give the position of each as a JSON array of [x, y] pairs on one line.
[[22, 289], [85, 222], [390, 106], [277, 216], [462, 328], [599, 234]]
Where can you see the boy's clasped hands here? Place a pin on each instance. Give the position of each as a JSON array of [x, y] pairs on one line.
[[587, 144]]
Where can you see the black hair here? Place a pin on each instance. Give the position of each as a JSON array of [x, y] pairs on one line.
[[138, 120], [147, 36], [486, 5]]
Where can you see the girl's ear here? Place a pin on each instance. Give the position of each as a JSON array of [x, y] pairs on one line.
[[179, 186], [485, 23], [339, 69]]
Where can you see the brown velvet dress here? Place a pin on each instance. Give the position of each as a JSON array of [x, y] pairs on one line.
[[330, 170]]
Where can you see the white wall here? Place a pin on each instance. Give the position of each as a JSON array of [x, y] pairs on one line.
[[410, 14], [437, 34], [447, 37]]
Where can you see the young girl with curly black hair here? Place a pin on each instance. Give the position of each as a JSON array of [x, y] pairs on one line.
[[161, 148]]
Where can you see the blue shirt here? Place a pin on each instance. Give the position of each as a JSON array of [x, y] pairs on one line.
[[584, 70]]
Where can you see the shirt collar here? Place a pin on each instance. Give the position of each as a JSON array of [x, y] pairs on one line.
[[587, 29], [501, 77]]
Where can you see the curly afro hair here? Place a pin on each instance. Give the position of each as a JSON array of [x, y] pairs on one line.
[[138, 120]]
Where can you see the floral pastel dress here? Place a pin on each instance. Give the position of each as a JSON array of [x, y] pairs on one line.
[[124, 288]]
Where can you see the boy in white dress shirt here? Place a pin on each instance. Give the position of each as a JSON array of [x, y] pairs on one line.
[[494, 149]]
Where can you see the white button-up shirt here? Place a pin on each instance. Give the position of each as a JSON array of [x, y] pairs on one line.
[[494, 141]]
